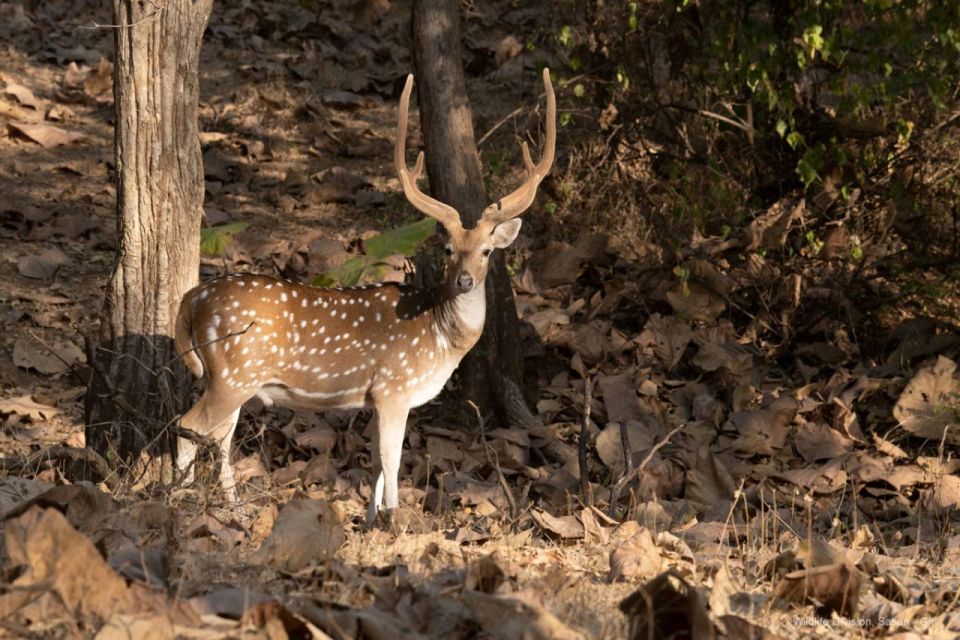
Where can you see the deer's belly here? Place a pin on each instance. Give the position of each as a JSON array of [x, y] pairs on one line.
[[310, 399]]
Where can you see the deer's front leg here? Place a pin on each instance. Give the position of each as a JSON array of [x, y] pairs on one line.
[[391, 425], [376, 492]]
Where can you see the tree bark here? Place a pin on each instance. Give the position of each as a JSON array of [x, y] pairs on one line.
[[456, 178], [133, 391]]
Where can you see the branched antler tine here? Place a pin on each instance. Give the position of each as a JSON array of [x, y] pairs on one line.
[[527, 160], [442, 213], [513, 205]]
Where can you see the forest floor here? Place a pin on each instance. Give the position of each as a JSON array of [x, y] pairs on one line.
[[765, 495]]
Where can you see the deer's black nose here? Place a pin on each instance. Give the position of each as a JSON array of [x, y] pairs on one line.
[[464, 282]]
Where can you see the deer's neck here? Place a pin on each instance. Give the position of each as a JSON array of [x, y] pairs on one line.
[[459, 319]]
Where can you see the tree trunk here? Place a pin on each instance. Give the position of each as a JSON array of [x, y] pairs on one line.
[[493, 371], [133, 390]]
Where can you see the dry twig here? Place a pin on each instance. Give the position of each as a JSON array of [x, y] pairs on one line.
[[494, 461], [629, 472], [584, 438]]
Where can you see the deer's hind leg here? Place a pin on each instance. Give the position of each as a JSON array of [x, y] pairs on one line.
[[214, 416]]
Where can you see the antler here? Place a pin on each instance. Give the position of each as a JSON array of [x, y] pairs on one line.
[[517, 202], [443, 213]]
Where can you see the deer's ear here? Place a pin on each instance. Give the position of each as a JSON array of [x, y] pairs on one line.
[[505, 233]]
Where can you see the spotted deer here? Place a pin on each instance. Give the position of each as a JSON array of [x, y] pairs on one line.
[[386, 347]]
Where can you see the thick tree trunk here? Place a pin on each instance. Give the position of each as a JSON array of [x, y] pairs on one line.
[[133, 390], [491, 373]]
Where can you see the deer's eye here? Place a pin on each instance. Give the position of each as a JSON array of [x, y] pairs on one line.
[[486, 253], [448, 250]]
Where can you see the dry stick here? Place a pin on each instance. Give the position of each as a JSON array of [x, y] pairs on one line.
[[627, 469], [628, 475], [72, 369], [502, 121], [584, 437], [494, 461], [156, 11], [208, 445], [62, 453]]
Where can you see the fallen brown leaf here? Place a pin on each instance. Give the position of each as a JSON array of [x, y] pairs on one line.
[[44, 265], [667, 607], [829, 588], [46, 135], [306, 531], [46, 550], [30, 354], [99, 84], [927, 406], [635, 557], [668, 336], [566, 527], [26, 406], [23, 95], [517, 616]]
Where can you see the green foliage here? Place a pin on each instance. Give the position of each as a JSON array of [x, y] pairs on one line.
[[818, 84], [875, 62], [214, 240], [683, 274], [403, 241]]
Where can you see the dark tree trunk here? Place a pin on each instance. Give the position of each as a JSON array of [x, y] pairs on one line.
[[133, 388], [492, 373]]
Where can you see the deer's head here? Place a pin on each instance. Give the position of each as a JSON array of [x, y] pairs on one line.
[[468, 251]]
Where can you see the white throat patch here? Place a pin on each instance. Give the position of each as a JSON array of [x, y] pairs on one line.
[[471, 308]]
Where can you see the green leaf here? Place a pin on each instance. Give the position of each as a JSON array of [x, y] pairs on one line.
[[794, 139], [781, 128], [564, 36], [806, 171], [400, 241], [213, 240], [352, 270], [324, 280], [579, 90], [813, 38]]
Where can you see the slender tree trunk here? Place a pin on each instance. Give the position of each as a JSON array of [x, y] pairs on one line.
[[132, 393], [492, 373]]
